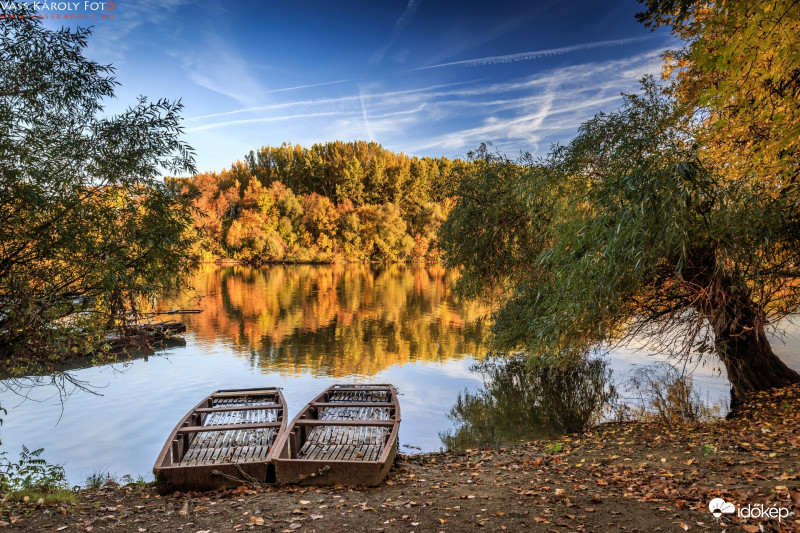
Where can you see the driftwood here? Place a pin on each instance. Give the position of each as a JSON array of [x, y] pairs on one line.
[[144, 335]]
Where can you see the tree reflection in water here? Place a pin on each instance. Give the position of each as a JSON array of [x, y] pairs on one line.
[[522, 401], [333, 320]]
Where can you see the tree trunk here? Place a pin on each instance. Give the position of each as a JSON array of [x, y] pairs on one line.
[[751, 364]]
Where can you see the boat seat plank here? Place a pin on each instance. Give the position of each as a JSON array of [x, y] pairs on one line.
[[352, 404], [343, 423], [228, 427], [251, 407]]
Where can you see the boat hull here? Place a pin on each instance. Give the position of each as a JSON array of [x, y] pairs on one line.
[[347, 435], [224, 441]]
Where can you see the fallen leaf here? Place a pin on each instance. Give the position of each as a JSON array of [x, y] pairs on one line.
[[684, 527], [257, 520]]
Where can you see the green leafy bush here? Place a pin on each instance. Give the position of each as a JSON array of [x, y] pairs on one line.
[[30, 472]]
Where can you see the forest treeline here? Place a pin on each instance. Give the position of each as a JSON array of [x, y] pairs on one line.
[[334, 202]]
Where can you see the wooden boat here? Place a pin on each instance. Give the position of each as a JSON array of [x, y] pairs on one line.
[[226, 440], [347, 435]]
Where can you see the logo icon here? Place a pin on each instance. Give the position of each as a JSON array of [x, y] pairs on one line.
[[719, 507]]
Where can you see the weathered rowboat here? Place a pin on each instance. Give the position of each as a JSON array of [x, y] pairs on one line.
[[347, 435], [226, 440]]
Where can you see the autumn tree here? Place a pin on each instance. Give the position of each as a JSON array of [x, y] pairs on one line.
[[88, 230], [384, 233], [738, 74]]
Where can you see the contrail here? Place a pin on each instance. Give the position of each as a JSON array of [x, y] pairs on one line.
[[399, 26], [306, 86], [364, 114], [536, 54]]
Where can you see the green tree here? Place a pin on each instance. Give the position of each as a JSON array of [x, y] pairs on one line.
[[352, 186], [88, 231], [625, 232]]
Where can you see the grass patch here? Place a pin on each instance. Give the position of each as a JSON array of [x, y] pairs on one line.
[[139, 481], [41, 497], [98, 480]]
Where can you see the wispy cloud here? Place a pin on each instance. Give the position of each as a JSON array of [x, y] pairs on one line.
[[536, 54], [330, 101], [307, 86], [544, 108], [399, 26], [524, 114], [258, 120], [109, 43], [491, 32], [216, 66]]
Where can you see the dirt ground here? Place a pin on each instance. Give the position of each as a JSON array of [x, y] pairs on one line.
[[620, 477]]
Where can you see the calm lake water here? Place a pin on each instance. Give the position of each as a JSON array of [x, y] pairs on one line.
[[302, 328]]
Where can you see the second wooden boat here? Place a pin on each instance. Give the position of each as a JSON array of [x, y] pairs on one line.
[[346, 435], [226, 440]]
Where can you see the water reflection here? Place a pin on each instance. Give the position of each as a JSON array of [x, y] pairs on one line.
[[521, 402], [338, 320], [666, 393]]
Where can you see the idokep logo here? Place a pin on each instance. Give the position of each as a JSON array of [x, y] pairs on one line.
[[719, 507]]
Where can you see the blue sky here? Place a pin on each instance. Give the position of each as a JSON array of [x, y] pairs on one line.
[[423, 77]]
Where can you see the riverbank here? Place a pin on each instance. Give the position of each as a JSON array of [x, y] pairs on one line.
[[617, 477]]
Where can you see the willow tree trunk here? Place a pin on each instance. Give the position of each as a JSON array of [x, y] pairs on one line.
[[750, 362]]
